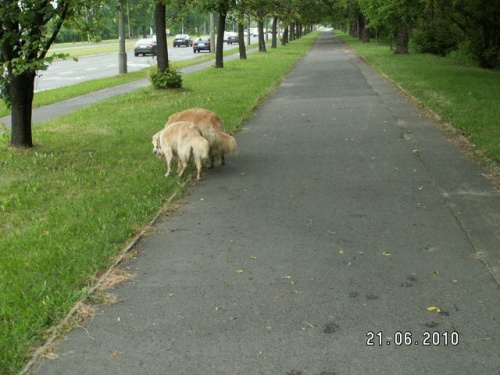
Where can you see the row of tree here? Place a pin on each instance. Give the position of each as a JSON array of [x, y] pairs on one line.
[[433, 26], [28, 28]]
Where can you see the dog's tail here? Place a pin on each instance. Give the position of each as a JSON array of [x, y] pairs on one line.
[[226, 143], [218, 124]]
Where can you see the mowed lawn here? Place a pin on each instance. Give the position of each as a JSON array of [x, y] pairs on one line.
[[91, 182]]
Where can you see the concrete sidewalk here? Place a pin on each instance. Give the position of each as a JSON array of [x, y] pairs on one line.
[[346, 224]]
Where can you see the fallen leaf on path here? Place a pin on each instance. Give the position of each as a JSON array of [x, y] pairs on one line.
[[434, 308], [239, 271]]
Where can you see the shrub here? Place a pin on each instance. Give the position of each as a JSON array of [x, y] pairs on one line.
[[438, 38], [170, 79]]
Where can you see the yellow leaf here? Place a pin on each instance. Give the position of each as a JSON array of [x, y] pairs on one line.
[[386, 254], [239, 271], [434, 308], [341, 252], [253, 257]]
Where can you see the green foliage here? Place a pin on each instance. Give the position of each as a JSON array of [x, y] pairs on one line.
[[438, 38], [440, 24], [170, 79], [4, 91]]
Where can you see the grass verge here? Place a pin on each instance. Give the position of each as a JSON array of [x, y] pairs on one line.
[[71, 203], [56, 95], [465, 97]]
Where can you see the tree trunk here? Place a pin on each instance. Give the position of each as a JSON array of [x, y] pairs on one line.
[[219, 56], [21, 95], [353, 28], [241, 40], [402, 43], [284, 39], [274, 41], [161, 38], [364, 35], [262, 41]]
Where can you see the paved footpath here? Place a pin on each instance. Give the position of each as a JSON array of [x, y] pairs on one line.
[[343, 220]]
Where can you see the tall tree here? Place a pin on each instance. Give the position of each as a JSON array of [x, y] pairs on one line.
[[241, 12], [161, 37], [399, 15], [27, 30], [222, 7], [479, 21], [179, 7]]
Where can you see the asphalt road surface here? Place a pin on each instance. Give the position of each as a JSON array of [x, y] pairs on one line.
[[68, 72], [348, 236]]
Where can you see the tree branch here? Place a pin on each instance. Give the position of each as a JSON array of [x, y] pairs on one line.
[[60, 21]]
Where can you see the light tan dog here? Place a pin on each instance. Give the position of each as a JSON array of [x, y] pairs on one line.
[[180, 140], [212, 129]]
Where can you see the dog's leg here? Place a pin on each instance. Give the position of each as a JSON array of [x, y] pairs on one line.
[[198, 168], [210, 159], [182, 167], [222, 159], [168, 158], [179, 165]]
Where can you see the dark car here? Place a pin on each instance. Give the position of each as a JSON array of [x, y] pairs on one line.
[[145, 47], [232, 38], [201, 44], [182, 40]]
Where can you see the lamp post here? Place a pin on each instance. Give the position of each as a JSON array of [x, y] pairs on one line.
[[122, 55]]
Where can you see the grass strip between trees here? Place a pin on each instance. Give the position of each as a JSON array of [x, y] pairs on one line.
[[47, 97], [91, 183], [464, 96]]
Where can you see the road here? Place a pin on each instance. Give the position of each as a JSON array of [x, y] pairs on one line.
[[68, 72], [347, 237]]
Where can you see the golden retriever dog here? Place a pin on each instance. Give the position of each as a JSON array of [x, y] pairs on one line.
[[212, 129], [181, 140]]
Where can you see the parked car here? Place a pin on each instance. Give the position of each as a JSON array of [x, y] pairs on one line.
[[183, 40], [201, 44], [232, 38], [145, 47]]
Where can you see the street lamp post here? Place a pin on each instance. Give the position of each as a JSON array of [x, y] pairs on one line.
[[122, 55]]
